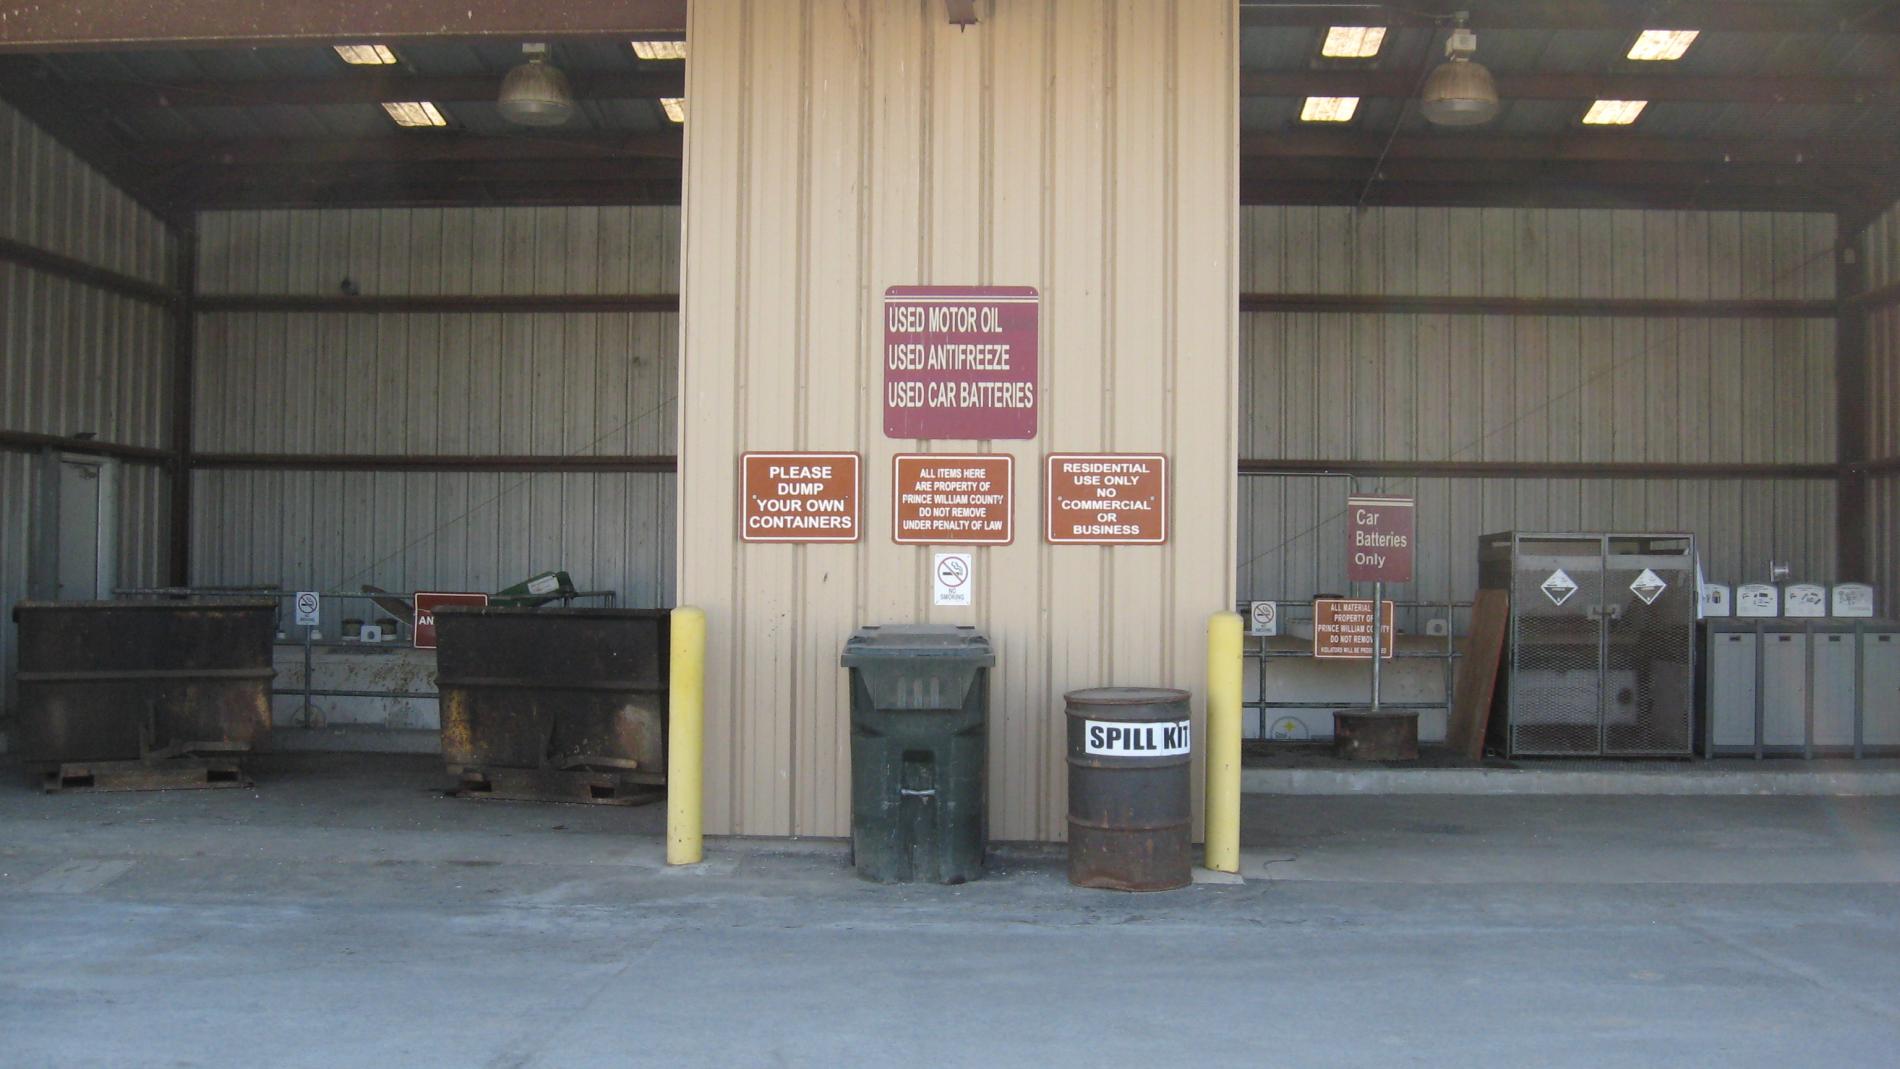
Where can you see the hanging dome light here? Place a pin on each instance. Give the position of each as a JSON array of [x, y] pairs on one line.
[[1460, 92], [535, 93]]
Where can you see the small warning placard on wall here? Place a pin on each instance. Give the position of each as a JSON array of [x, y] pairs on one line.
[[1342, 629], [799, 497], [957, 499]]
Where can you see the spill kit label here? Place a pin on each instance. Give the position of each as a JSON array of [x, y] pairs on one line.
[[1114, 738]]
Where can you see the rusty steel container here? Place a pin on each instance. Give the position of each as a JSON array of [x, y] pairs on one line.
[[124, 680], [1130, 822], [554, 692]]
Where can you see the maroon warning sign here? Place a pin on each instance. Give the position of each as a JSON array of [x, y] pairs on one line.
[[1379, 537], [427, 602], [960, 361]]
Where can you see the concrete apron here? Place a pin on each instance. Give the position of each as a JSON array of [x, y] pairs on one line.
[[1735, 777]]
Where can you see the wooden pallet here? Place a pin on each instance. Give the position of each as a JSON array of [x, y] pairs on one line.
[[171, 774], [553, 785]]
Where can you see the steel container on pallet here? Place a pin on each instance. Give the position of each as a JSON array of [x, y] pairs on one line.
[[149, 684], [554, 704], [1130, 822]]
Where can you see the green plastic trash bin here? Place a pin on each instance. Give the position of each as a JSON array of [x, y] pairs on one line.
[[920, 703]]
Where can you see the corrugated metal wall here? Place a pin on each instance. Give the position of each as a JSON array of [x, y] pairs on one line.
[[1882, 243], [1404, 387], [540, 384], [74, 357], [834, 149]]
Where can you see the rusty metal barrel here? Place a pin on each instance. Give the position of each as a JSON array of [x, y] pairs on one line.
[[132, 680], [1130, 822]]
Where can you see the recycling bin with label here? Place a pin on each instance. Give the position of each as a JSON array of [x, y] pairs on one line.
[[920, 701]]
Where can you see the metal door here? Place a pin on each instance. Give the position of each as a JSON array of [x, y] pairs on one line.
[[1648, 615], [1556, 685]]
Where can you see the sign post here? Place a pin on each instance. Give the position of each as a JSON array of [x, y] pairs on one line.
[[1379, 530]]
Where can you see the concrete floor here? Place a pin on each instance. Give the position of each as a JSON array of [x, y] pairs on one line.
[[344, 914]]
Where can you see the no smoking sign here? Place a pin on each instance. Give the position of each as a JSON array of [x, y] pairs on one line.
[[954, 579]]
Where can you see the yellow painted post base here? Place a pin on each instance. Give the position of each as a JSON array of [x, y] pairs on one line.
[[686, 740], [1224, 656]]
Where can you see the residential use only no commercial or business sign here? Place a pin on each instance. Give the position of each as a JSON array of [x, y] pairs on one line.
[[1106, 499], [799, 497], [960, 361]]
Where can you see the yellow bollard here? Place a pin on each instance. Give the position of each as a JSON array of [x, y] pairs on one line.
[[1223, 741], [686, 739]]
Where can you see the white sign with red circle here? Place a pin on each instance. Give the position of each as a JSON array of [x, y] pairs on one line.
[[954, 576]]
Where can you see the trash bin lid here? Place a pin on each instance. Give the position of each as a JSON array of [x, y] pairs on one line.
[[959, 641]]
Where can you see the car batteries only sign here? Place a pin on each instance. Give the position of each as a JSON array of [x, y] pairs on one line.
[[960, 361], [1379, 538]]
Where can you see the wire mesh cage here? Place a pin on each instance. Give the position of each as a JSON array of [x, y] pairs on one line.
[[1602, 642]]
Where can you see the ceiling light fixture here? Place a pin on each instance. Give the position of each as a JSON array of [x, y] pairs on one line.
[[535, 93], [414, 113], [365, 55], [1460, 92], [675, 108], [659, 49], [1329, 109], [1614, 112], [1662, 45], [1352, 42]]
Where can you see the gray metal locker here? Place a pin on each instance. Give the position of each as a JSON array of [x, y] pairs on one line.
[[1881, 685], [1784, 712], [1833, 687], [1825, 687], [1731, 724]]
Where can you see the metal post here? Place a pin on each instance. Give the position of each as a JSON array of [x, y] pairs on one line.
[[686, 740], [309, 708], [1224, 655], [1378, 638]]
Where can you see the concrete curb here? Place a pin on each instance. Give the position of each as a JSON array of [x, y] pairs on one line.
[[1683, 782]]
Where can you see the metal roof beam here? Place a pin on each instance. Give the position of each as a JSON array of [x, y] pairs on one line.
[[416, 146], [1721, 16], [91, 25], [1608, 146], [358, 87], [1656, 88], [1485, 194]]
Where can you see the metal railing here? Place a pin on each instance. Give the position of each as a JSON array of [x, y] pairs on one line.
[[1260, 651]]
